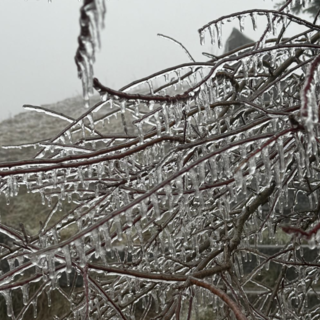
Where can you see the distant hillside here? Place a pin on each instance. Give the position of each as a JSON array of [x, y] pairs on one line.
[[28, 127], [31, 126]]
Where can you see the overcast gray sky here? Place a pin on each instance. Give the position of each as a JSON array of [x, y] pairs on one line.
[[39, 41]]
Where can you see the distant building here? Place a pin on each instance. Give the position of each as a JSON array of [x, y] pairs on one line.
[[235, 40]]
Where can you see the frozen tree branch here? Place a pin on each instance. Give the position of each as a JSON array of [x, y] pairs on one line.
[[194, 187]]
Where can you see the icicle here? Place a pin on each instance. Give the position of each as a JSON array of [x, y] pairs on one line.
[[270, 228], [312, 242], [179, 185], [91, 122], [219, 33], [51, 266], [48, 292], [166, 118], [90, 169], [159, 174], [266, 161], [212, 34], [80, 250], [35, 310], [231, 189], [97, 243], [172, 247], [240, 262], [140, 131], [176, 107], [202, 37], [158, 124], [129, 218], [277, 174], [252, 165], [241, 23], [196, 183], [123, 106], [226, 165], [270, 24], [168, 191], [139, 231], [117, 223], [100, 170], [254, 20], [7, 296], [267, 265], [143, 210], [202, 172], [255, 65], [66, 252], [213, 169], [97, 306], [281, 154], [155, 203], [238, 176], [104, 229], [244, 69], [80, 176], [54, 178], [25, 293], [149, 82]]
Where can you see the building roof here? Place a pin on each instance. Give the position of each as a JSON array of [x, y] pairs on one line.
[[235, 40]]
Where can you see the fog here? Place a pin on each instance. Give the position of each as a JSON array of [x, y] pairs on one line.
[[39, 41]]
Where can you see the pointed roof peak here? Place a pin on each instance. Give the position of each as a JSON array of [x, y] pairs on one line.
[[236, 39]]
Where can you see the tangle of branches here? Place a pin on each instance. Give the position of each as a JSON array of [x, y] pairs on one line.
[[175, 211]]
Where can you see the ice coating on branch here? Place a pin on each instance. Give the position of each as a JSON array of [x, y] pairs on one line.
[[91, 22]]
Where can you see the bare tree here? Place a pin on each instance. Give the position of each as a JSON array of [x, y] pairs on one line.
[[211, 163]]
